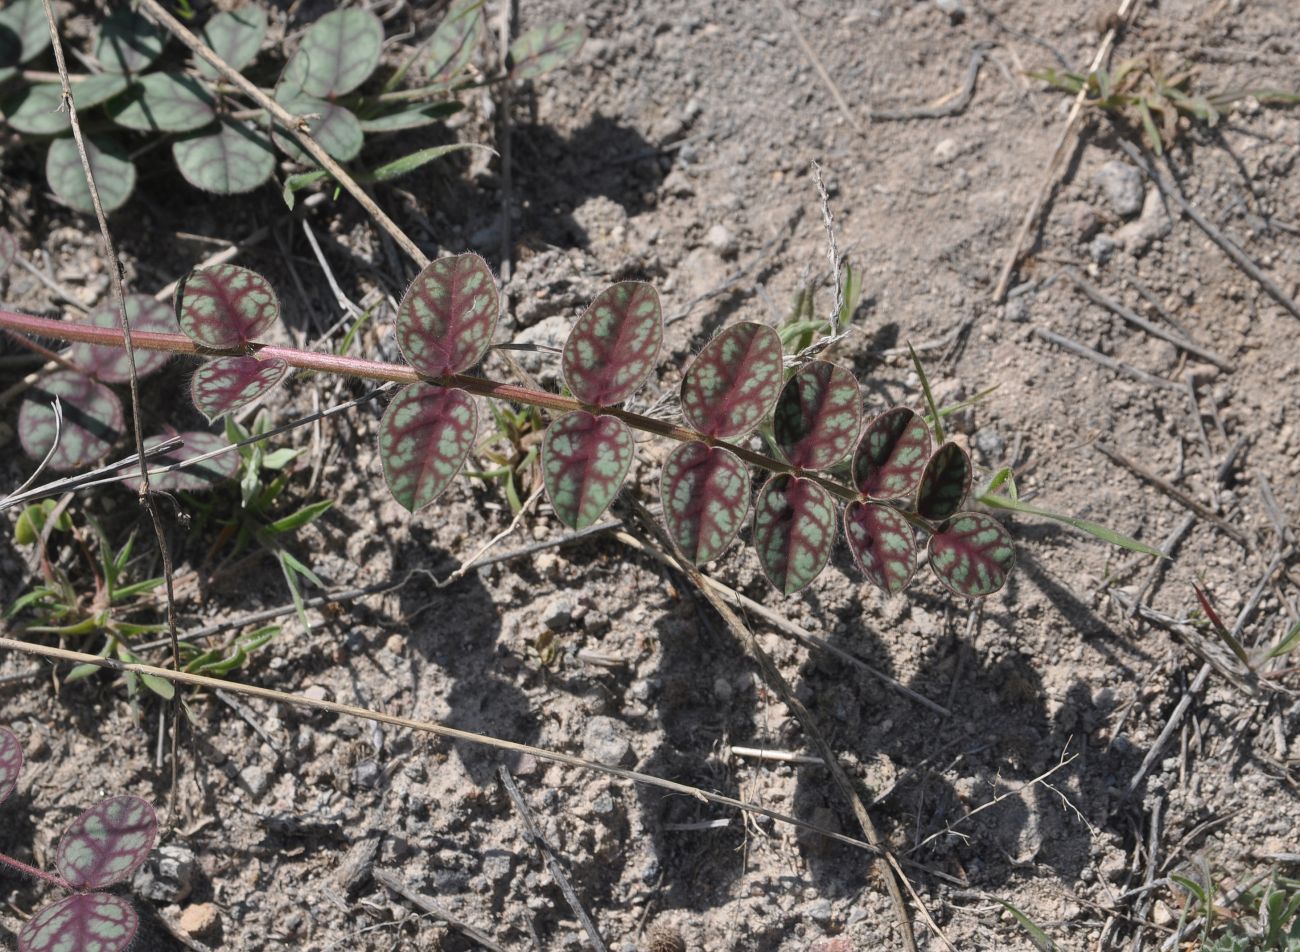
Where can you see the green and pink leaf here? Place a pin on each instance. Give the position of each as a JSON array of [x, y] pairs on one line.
[[794, 531], [705, 495], [732, 385], [818, 415], [944, 483], [228, 384], [109, 364], [107, 842], [225, 307], [972, 554], [883, 544], [585, 459], [446, 318], [92, 420], [197, 478], [86, 922], [891, 455], [424, 438], [612, 348]]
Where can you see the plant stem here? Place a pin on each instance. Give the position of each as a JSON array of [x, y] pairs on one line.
[[404, 374], [35, 873]]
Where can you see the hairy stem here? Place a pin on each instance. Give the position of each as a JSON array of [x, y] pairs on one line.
[[35, 873], [404, 374]]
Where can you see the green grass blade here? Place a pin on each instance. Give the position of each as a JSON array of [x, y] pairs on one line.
[[936, 420], [1288, 643], [1042, 941], [1083, 525]]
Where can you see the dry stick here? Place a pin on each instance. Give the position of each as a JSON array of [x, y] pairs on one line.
[[297, 126], [956, 103], [1110, 363], [1177, 495], [421, 901], [772, 675], [825, 77], [1230, 247], [747, 604], [1095, 294], [1126, 10], [119, 293], [504, 123], [534, 836]]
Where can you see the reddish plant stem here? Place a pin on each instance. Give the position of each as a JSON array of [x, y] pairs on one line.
[[35, 873], [401, 373]]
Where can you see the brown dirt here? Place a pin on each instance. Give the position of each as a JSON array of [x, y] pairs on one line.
[[678, 117]]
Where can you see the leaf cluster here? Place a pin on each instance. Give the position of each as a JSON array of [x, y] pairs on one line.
[[1267, 920], [103, 846]]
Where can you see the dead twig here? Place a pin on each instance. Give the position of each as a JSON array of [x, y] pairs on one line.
[[421, 901], [1110, 363], [793, 22], [534, 836], [953, 104]]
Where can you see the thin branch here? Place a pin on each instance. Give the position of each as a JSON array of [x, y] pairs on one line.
[[421, 901]]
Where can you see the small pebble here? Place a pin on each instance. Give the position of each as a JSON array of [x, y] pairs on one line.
[[1122, 186], [721, 240], [201, 921]]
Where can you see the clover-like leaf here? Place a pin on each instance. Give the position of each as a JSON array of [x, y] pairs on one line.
[[334, 127], [114, 173], [336, 55], [452, 45], [98, 88], [544, 48], [109, 364], [227, 384], [944, 483], [11, 762], [705, 495], [972, 554], [585, 459], [733, 384], [818, 415], [794, 531], [229, 159], [24, 21], [92, 419], [446, 318], [225, 306], [891, 455], [86, 922], [36, 110], [197, 478], [107, 842], [235, 36], [128, 42], [425, 436], [163, 102], [612, 348], [8, 249], [883, 544]]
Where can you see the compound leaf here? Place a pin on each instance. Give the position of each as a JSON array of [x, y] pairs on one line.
[[225, 306], [585, 459], [8, 249], [109, 364], [612, 348], [229, 159], [11, 761], [163, 102], [705, 495], [197, 478], [446, 318], [794, 531], [235, 36], [128, 42], [944, 483], [731, 387], [92, 419], [34, 110], [452, 45], [226, 384], [972, 554], [334, 127], [883, 544], [87, 922], [544, 48], [25, 21], [818, 415], [114, 173], [337, 54], [424, 438], [891, 455], [107, 842]]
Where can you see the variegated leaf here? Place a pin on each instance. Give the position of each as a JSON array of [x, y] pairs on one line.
[[37, 110], [612, 348], [85, 922], [424, 438], [818, 415], [733, 384], [334, 127], [109, 364], [544, 48], [229, 158], [235, 36], [11, 761], [794, 531], [24, 22], [705, 495], [225, 307], [92, 420], [972, 554], [446, 318], [128, 42], [109, 163], [883, 544], [891, 455], [452, 45], [944, 483], [107, 842], [163, 102], [228, 384], [585, 459], [337, 54]]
